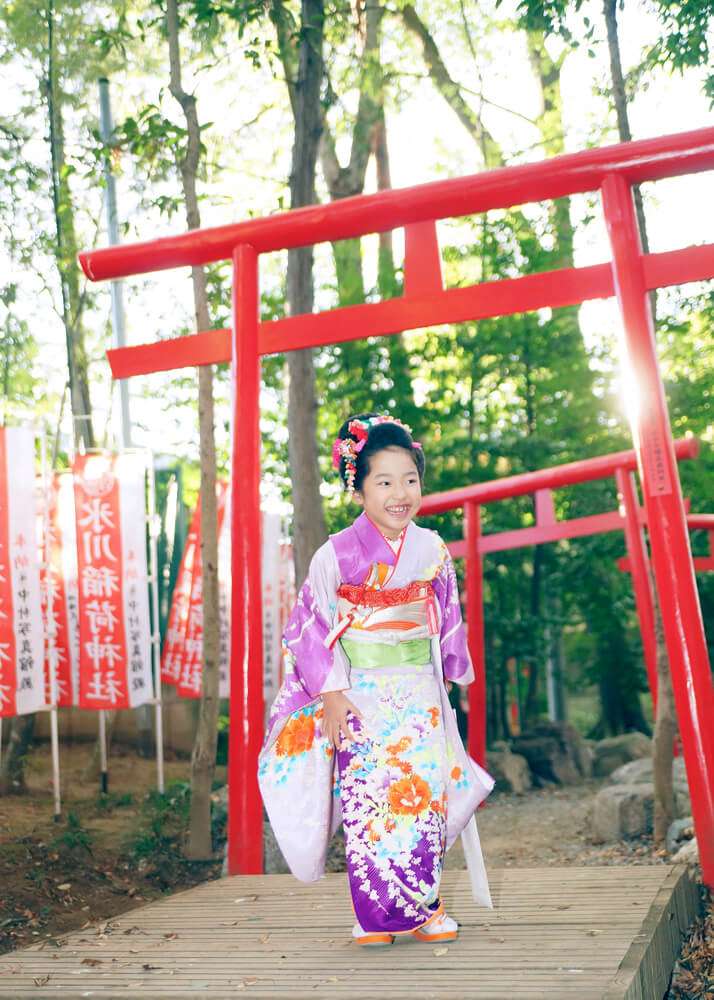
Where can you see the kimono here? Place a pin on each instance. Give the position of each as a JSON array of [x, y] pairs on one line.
[[386, 628]]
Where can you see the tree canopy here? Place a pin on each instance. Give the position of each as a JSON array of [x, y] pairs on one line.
[[400, 93]]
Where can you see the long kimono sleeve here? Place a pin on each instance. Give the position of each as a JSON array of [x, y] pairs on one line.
[[455, 656], [317, 668]]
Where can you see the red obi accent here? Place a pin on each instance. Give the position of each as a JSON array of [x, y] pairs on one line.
[[369, 597]]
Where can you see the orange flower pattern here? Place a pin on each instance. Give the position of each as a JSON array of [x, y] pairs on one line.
[[297, 736], [409, 795], [393, 795]]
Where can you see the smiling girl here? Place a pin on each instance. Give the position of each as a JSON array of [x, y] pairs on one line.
[[362, 731]]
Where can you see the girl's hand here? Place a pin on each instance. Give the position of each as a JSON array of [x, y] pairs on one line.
[[337, 706]]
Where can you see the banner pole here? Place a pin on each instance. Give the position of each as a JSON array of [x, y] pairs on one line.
[[103, 771], [155, 635]]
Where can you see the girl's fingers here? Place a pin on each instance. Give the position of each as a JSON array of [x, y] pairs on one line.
[[340, 733]]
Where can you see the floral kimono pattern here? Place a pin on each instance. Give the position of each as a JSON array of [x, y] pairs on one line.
[[406, 788]]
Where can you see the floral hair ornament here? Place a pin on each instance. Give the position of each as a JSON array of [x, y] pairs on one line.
[[349, 448]]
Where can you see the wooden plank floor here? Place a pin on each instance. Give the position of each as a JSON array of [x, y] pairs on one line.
[[556, 933]]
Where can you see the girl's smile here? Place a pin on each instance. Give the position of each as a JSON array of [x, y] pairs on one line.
[[391, 491]]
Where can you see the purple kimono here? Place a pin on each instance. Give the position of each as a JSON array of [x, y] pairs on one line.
[[386, 628]]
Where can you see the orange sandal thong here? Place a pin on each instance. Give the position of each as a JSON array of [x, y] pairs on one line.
[[441, 928], [441, 936]]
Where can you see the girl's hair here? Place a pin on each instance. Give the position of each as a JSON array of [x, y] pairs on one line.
[[385, 434]]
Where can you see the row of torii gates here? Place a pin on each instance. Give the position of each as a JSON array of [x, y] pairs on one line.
[[629, 518], [629, 275]]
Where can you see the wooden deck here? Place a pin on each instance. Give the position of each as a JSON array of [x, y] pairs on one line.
[[555, 933]]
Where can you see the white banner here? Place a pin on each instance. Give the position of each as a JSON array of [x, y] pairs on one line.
[[271, 606], [22, 687], [131, 469], [59, 593]]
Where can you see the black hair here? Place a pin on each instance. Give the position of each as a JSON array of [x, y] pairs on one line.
[[381, 436]]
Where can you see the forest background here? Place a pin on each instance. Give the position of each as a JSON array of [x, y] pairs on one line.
[[370, 96]]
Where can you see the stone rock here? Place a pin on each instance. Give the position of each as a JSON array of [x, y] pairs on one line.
[[510, 770], [688, 854], [637, 772], [640, 771], [556, 752], [622, 812], [679, 830], [618, 750]]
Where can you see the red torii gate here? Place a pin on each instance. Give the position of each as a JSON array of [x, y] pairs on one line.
[[629, 518], [630, 275]]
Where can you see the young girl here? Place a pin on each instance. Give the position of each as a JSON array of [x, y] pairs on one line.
[[362, 731]]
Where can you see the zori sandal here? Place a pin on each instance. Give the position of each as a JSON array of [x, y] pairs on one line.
[[441, 928], [371, 937]]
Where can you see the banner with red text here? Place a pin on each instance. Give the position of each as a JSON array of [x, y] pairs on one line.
[[224, 608], [173, 651], [113, 605], [189, 683], [22, 688], [183, 649], [59, 593]]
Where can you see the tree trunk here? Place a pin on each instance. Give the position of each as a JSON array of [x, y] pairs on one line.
[[309, 528], [386, 276], [66, 248], [450, 90], [203, 759], [665, 722], [12, 773], [552, 130], [530, 708], [619, 97], [65, 253]]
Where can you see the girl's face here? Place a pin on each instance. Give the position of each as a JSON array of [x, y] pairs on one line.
[[391, 491]]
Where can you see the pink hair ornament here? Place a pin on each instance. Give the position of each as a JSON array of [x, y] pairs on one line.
[[348, 449]]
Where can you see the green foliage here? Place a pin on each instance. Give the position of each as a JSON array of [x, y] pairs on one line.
[[487, 399], [107, 802], [164, 819], [158, 146], [75, 838], [158, 842], [18, 351], [686, 38]]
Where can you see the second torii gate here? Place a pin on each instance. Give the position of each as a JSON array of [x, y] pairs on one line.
[[629, 518], [629, 275]]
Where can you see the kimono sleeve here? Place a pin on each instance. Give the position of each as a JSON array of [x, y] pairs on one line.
[[455, 657], [318, 668]]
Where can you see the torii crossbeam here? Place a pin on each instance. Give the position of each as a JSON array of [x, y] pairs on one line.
[[629, 275]]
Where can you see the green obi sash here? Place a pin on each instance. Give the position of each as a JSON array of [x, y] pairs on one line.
[[409, 652]]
